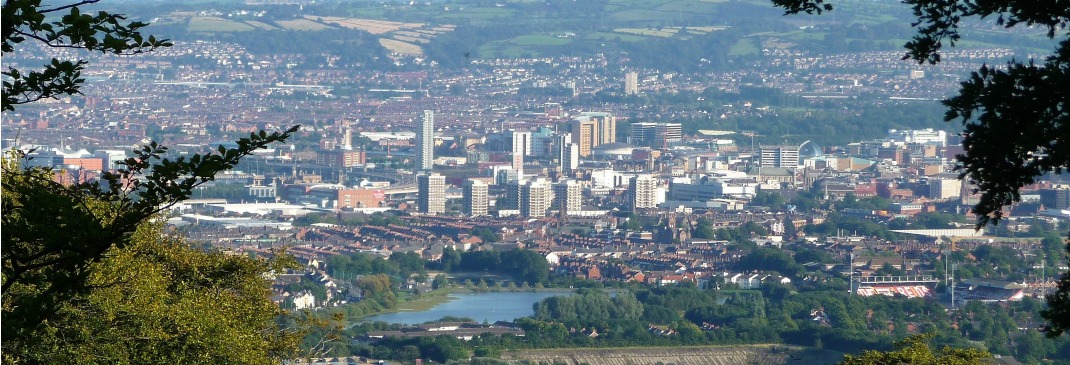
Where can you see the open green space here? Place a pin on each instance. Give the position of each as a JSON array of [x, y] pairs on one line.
[[213, 24], [302, 24], [663, 32], [690, 7], [412, 303], [745, 46], [477, 13], [603, 36], [539, 40]]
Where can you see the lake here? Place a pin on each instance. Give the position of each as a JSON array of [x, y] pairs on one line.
[[490, 307]]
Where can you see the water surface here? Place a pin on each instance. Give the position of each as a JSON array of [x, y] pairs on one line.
[[489, 307]]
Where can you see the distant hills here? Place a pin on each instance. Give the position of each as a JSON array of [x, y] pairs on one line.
[[683, 35]]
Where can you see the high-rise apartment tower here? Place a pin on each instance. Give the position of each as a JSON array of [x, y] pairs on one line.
[[475, 198], [425, 141], [431, 189]]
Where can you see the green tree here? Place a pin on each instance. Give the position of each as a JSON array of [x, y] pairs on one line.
[[790, 231], [53, 232], [704, 229], [63, 26], [154, 299], [451, 259], [439, 282], [915, 350]]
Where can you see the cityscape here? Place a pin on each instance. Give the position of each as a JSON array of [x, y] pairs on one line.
[[789, 201]]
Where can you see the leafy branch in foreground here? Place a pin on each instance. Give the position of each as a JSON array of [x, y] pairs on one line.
[[53, 232], [28, 20]]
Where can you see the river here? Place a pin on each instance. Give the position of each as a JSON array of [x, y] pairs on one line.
[[490, 307]]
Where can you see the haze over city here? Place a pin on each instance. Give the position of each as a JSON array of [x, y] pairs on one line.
[[690, 182]]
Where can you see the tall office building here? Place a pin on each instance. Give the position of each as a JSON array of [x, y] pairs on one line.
[[642, 134], [475, 198], [568, 154], [567, 196], [425, 141], [656, 135], [631, 83], [520, 142], [922, 136], [535, 198], [347, 138], [667, 135], [432, 193], [583, 135], [521, 146], [591, 129], [643, 192], [514, 192], [779, 156]]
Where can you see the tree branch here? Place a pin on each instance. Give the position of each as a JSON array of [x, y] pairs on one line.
[[80, 3]]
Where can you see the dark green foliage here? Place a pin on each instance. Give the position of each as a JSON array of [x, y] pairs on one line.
[[40, 216], [589, 307], [350, 267], [770, 259], [63, 26], [487, 234], [409, 263], [704, 229], [523, 265], [770, 200]]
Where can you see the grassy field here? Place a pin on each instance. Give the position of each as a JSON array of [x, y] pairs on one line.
[[478, 14], [214, 24], [539, 40], [664, 32], [424, 302], [689, 7], [615, 36], [302, 24], [745, 46], [260, 25]]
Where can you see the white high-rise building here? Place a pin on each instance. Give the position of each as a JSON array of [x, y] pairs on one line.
[[475, 198], [945, 188], [643, 192], [631, 83], [656, 135], [920, 136], [535, 198], [521, 146], [425, 141], [779, 156], [567, 196], [667, 135], [431, 189], [568, 154], [347, 138]]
